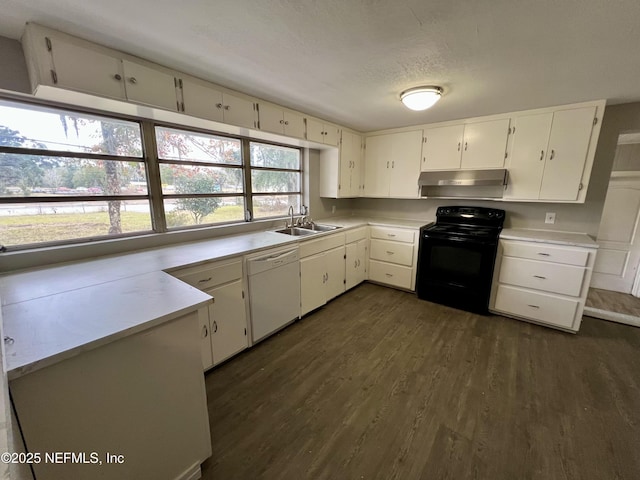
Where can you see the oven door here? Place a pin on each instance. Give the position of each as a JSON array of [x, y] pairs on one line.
[[456, 271]]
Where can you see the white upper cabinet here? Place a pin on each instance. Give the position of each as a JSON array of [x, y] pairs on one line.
[[442, 148], [350, 165], [378, 152], [238, 111], [567, 154], [320, 132], [149, 86], [341, 170], [528, 150], [405, 165], [78, 68], [392, 165], [200, 99], [485, 144], [55, 59], [467, 146], [275, 119], [550, 155]]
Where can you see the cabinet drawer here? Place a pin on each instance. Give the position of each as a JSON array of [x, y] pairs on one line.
[[550, 277], [547, 253], [390, 274], [355, 234], [311, 247], [393, 252], [537, 306], [395, 234], [210, 274]]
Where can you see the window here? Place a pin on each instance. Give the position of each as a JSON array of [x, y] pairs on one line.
[[202, 178], [67, 175], [276, 179]]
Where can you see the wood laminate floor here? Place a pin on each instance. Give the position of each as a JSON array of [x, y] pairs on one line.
[[613, 302], [381, 385]]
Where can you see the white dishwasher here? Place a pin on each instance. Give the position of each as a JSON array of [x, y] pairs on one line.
[[274, 291]]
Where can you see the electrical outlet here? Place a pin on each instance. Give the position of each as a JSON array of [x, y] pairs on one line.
[[550, 217], [333, 209]]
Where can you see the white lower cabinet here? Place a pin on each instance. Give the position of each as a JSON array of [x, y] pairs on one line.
[[228, 317], [541, 282], [322, 271], [223, 325], [356, 263], [321, 278], [393, 257]]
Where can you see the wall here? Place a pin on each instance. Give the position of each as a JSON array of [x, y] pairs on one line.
[[569, 217], [13, 74]]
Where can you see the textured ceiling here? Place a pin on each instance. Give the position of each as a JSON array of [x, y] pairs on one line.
[[347, 60]]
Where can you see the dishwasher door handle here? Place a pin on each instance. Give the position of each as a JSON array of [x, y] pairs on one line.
[[274, 258]]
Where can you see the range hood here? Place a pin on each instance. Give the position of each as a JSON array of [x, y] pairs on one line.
[[463, 183]]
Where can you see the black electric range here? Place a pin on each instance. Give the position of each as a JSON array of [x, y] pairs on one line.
[[457, 255]]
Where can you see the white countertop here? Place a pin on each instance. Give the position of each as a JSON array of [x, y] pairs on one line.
[[60, 311], [549, 236]]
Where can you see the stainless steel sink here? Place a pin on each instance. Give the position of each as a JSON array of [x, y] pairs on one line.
[[312, 229], [297, 231], [318, 227]]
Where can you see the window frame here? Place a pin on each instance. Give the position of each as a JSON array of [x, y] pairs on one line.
[[43, 153], [299, 171], [151, 161]]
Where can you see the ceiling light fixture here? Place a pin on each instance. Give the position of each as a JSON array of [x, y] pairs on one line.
[[421, 98]]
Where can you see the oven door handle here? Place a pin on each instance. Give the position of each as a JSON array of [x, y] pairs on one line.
[[471, 241]]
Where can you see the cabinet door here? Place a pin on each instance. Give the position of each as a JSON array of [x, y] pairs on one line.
[[356, 169], [205, 338], [334, 264], [149, 86], [351, 265], [349, 153], [315, 131], [271, 118], [331, 135], [293, 125], [378, 154], [362, 260], [202, 101], [355, 263], [567, 153], [312, 283], [442, 148], [228, 319], [85, 70], [238, 111], [528, 151], [485, 144], [405, 164]]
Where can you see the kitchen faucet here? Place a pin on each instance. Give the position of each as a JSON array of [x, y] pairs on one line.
[[291, 213]]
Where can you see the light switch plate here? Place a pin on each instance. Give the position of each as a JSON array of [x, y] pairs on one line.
[[550, 217]]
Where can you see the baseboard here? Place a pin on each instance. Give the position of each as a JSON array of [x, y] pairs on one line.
[[612, 316]]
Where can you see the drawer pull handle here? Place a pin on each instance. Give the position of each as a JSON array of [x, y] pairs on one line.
[[390, 252], [391, 234], [544, 254], [540, 276], [389, 274], [204, 280], [533, 306]]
